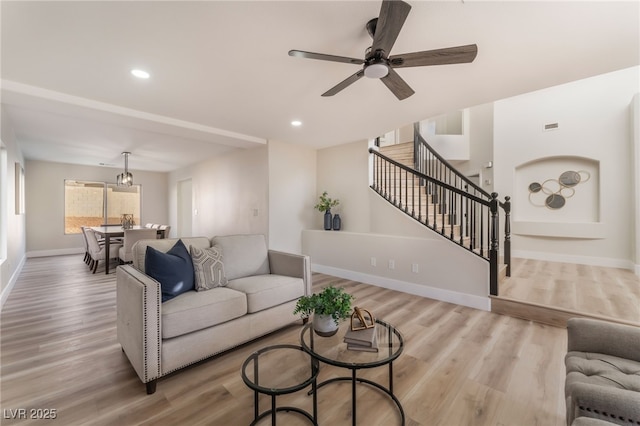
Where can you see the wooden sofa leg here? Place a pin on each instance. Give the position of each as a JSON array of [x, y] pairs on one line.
[[151, 386]]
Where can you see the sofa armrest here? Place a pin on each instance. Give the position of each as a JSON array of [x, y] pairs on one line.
[[615, 405], [138, 301], [589, 335], [292, 265]]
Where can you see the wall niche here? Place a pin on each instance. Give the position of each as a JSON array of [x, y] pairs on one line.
[[558, 196]]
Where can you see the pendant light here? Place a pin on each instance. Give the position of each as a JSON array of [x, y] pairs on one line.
[[125, 178]]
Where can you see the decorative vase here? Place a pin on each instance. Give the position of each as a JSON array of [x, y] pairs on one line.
[[337, 222], [127, 221], [327, 220], [324, 325]]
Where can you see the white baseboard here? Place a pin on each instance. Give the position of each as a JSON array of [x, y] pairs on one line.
[[580, 260], [55, 252], [12, 282], [472, 301]]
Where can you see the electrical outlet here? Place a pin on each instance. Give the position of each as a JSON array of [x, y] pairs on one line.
[[392, 264], [373, 261], [414, 268]]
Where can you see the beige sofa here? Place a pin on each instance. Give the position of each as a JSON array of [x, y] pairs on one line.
[[603, 373], [160, 338]]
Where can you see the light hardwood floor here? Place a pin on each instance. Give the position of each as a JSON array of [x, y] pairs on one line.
[[460, 366], [596, 291]]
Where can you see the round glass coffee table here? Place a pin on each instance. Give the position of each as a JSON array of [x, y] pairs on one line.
[[278, 370], [333, 351]]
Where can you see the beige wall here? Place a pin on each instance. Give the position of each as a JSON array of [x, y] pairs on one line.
[[372, 228], [292, 194], [268, 190], [343, 171], [480, 145], [13, 235], [635, 143], [594, 123], [45, 202], [230, 194]]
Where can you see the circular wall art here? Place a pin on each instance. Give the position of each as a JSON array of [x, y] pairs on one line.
[[556, 191]]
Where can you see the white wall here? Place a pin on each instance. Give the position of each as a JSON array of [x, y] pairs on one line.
[[13, 226], [292, 194], [594, 123], [45, 203]]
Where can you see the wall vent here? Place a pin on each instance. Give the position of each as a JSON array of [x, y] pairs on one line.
[[550, 126]]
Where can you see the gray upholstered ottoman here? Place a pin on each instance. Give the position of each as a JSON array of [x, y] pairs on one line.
[[603, 371]]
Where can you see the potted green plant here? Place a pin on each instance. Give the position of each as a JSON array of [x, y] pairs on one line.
[[324, 205], [329, 307]]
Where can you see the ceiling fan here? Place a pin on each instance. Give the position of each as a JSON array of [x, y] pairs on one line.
[[378, 64]]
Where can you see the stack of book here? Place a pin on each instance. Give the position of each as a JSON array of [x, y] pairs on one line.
[[362, 340]]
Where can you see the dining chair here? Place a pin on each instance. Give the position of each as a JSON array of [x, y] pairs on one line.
[[165, 231], [87, 256], [131, 236], [98, 252]]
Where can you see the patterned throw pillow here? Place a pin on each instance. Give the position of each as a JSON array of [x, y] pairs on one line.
[[208, 268]]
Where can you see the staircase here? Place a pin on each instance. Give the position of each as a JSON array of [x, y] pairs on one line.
[[415, 179]]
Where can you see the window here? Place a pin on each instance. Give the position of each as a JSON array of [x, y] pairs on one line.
[[98, 203]]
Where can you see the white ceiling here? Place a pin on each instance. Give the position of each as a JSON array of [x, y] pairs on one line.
[[221, 77]]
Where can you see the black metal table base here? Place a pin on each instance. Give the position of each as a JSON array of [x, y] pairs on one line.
[[272, 413], [353, 381]]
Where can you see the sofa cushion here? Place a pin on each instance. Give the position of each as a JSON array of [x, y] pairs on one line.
[[208, 268], [173, 270], [194, 311], [243, 255], [266, 291], [601, 369]]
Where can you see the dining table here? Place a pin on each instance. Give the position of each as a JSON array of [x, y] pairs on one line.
[[114, 231]]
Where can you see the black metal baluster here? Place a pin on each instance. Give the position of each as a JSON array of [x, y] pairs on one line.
[[413, 195], [493, 252], [507, 234]]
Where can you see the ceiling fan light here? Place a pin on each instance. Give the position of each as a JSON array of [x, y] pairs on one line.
[[376, 71]]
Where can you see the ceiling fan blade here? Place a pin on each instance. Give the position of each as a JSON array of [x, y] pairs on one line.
[[344, 84], [397, 85], [449, 55], [393, 13], [323, 57]]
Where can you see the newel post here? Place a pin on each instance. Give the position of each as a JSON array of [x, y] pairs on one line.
[[494, 245], [507, 234]]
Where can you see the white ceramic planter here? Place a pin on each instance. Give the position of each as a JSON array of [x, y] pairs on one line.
[[324, 325]]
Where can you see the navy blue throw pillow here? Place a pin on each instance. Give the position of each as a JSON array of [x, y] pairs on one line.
[[173, 270]]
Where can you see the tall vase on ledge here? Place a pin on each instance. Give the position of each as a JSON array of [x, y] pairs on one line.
[[327, 220]]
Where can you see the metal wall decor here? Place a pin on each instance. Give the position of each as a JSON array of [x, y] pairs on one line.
[[556, 191]]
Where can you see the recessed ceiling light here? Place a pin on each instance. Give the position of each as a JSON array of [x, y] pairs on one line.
[[296, 123], [140, 73]]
